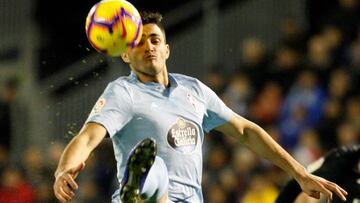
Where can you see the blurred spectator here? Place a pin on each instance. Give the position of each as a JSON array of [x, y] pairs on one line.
[[266, 107], [54, 151], [291, 127], [308, 149], [352, 111], [7, 97], [14, 188], [44, 192], [319, 56], [285, 67], [353, 55], [254, 60], [302, 108], [339, 85], [243, 163], [286, 58], [252, 53], [328, 124], [260, 190], [333, 37], [292, 35], [228, 181], [216, 194], [34, 166], [347, 134], [347, 17], [216, 160], [215, 80], [89, 192], [238, 94]]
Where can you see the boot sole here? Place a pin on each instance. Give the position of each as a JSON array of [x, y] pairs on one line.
[[139, 163]]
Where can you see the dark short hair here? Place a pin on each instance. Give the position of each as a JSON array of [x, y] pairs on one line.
[[153, 18]]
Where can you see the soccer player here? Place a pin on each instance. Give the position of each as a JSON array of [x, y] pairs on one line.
[[156, 121], [341, 165]]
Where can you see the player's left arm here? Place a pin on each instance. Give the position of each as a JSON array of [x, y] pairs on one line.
[[254, 137]]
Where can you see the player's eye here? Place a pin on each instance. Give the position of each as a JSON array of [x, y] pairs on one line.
[[155, 41]]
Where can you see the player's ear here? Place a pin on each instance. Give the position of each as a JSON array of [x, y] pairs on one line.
[[125, 57], [167, 51]]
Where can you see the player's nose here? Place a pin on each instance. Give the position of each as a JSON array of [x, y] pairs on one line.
[[149, 46]]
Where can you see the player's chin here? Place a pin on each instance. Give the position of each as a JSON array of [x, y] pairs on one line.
[[153, 69], [151, 64]]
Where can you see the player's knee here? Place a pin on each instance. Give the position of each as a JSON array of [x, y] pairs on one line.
[[156, 184]]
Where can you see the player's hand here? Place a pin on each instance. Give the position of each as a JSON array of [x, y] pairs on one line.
[[314, 185], [65, 183]]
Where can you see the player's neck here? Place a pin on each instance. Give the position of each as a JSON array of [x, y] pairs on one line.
[[161, 78]]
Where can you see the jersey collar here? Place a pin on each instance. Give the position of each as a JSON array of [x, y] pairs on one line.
[[172, 81]]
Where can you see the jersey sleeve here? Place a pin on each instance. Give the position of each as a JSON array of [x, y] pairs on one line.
[[216, 112], [113, 109]]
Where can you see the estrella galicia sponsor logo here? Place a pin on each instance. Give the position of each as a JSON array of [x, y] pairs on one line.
[[183, 136]]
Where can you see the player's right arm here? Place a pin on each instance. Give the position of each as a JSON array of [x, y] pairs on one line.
[[73, 159]]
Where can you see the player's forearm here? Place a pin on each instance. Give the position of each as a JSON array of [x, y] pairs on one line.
[[81, 146], [261, 143], [74, 154]]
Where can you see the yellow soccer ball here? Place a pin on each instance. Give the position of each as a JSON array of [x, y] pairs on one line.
[[113, 26]]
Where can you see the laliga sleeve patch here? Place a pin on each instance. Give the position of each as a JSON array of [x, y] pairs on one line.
[[98, 106]]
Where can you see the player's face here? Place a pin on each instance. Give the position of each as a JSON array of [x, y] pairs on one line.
[[150, 55]]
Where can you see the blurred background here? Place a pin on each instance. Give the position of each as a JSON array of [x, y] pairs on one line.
[[293, 67]]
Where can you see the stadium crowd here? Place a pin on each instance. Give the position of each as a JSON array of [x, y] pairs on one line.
[[305, 93]]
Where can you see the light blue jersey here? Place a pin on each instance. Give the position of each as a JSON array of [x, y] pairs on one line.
[[176, 117]]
